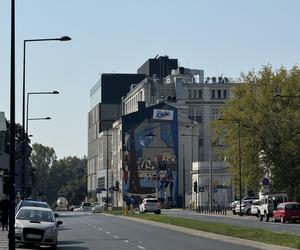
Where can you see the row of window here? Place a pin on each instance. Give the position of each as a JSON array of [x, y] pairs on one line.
[[215, 93]]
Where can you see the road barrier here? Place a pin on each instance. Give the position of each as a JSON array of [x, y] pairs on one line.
[[213, 210]]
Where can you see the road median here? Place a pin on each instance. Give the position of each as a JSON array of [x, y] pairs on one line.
[[258, 238]]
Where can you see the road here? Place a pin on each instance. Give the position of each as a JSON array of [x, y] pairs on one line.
[[82, 231], [245, 221]]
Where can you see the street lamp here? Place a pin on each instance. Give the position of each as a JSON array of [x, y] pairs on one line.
[[239, 157], [36, 93], [62, 38]]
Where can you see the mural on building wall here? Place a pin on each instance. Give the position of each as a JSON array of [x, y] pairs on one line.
[[150, 156]]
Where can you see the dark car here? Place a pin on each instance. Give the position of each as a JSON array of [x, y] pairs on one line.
[[31, 203], [287, 211]]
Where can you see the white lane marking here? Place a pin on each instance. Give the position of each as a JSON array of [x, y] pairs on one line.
[[100, 229], [107, 232], [94, 226], [141, 247], [126, 241], [89, 224], [117, 237]]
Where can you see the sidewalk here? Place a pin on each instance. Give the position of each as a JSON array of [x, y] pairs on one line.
[[3, 240]]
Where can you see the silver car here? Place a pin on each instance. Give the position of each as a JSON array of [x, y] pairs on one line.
[[37, 226]]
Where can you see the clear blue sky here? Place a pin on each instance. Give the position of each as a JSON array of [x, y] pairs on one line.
[[218, 36]]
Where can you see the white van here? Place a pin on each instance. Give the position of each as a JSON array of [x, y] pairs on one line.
[[268, 203]]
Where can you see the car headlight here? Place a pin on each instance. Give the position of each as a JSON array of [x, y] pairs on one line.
[[51, 230], [18, 227]]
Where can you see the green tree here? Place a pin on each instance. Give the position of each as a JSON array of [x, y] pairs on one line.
[[42, 158], [270, 129]]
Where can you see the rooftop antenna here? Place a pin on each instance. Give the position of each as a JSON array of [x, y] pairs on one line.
[[156, 56]]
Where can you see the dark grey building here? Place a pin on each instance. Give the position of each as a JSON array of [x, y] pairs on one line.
[[160, 66], [105, 97]]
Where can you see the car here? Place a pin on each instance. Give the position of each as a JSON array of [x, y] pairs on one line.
[[150, 205], [233, 205], [36, 226], [31, 203], [287, 211], [246, 207], [98, 208], [269, 203], [85, 206], [255, 207]]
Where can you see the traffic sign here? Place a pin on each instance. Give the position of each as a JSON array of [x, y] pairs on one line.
[[201, 189]]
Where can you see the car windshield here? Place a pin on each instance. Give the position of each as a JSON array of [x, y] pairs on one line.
[[152, 201], [35, 215], [34, 204]]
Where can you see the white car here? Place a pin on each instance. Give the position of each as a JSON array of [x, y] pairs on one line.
[[36, 226], [150, 205], [85, 206], [246, 207], [255, 207]]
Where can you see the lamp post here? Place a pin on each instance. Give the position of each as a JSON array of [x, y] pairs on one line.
[[36, 93], [11, 235], [23, 167], [63, 39], [239, 157]]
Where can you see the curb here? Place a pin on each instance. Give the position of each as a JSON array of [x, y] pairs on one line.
[[212, 236]]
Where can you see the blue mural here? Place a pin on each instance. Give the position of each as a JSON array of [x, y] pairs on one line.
[[150, 153]]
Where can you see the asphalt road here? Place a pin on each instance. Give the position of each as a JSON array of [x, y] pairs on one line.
[[82, 231], [245, 221]]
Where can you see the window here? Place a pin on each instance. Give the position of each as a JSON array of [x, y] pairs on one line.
[[101, 182], [195, 93], [200, 142], [225, 93], [200, 93], [213, 93], [219, 94], [215, 114], [190, 93]]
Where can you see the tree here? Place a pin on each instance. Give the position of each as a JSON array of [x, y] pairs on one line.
[[270, 129], [42, 158]]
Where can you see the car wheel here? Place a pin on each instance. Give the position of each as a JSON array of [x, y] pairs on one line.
[[282, 220], [157, 212], [248, 212], [54, 247], [261, 217], [234, 212]]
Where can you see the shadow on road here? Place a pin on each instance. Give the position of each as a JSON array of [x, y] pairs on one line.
[[72, 248], [69, 242]]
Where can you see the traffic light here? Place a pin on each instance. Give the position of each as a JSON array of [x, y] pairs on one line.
[[195, 186]]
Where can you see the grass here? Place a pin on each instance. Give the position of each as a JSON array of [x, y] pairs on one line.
[[260, 235]]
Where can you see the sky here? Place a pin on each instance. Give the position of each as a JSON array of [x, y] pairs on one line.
[[222, 37]]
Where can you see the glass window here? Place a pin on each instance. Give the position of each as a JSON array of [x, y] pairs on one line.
[[190, 93], [213, 93], [225, 93], [195, 93], [200, 93], [219, 94]]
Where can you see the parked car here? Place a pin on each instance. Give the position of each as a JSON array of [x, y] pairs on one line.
[[85, 206], [287, 211], [36, 226], [246, 207], [269, 203], [31, 203], [233, 205], [237, 202], [150, 205], [98, 208], [255, 207]]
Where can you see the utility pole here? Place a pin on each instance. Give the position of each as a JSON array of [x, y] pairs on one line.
[[183, 178], [210, 178]]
